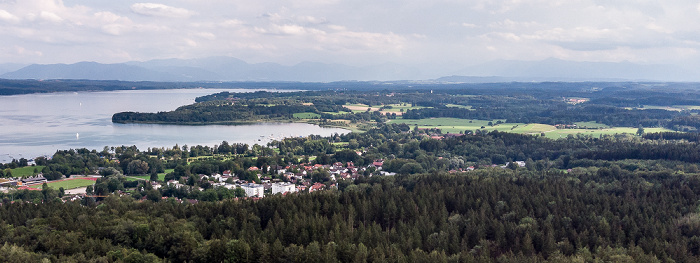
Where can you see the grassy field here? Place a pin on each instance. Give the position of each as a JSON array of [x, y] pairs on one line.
[[306, 115], [533, 128], [562, 133], [395, 108], [453, 125], [26, 171], [591, 125], [161, 176], [336, 113], [67, 184], [399, 107], [360, 107], [458, 106], [669, 108]]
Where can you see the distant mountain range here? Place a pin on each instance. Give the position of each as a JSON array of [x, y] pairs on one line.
[[562, 70], [210, 69], [232, 69]]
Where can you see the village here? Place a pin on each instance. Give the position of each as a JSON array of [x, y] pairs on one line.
[[289, 179]]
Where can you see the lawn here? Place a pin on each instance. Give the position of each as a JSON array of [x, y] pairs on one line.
[[26, 171], [67, 184]]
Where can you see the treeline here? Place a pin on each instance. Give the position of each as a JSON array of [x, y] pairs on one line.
[[487, 216], [224, 111]]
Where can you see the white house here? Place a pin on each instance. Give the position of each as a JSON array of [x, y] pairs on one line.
[[252, 189], [283, 188]]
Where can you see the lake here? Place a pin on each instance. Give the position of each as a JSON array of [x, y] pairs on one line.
[[39, 124]]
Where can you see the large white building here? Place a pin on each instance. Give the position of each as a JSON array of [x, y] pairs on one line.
[[283, 188], [252, 190]]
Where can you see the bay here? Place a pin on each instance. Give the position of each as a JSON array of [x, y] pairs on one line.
[[39, 124]]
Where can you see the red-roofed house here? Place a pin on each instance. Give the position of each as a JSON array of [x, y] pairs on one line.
[[316, 187]]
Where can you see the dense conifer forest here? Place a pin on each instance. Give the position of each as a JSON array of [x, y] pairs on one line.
[[485, 216]]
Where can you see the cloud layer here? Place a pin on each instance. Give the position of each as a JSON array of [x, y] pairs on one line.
[[439, 35]]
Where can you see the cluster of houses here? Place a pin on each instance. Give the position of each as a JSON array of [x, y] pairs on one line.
[[297, 178]]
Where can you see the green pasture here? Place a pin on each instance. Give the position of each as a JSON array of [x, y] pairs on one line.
[[334, 113], [562, 133], [533, 128], [306, 115], [453, 125], [356, 105], [459, 106], [668, 108], [399, 107], [161, 176], [591, 125], [26, 171], [67, 184]]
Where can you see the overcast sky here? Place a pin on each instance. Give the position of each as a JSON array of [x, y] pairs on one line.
[[353, 32]]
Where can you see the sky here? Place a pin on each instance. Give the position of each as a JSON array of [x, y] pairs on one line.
[[435, 33]]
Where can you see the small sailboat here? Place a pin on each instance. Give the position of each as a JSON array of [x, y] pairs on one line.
[[77, 136]]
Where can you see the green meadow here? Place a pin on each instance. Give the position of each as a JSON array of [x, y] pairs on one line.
[[306, 115], [67, 184], [26, 171], [453, 125], [161, 176]]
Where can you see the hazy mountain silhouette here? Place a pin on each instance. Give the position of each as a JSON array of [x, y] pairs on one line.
[[233, 69]]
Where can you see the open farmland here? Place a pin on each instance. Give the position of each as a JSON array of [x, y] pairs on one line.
[[453, 125]]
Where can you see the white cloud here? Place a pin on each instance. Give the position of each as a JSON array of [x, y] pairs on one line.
[[324, 30], [231, 23], [6, 16], [205, 35], [51, 17], [114, 24], [153, 9], [513, 25]]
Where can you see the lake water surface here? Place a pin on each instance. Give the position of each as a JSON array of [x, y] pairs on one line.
[[39, 124]]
